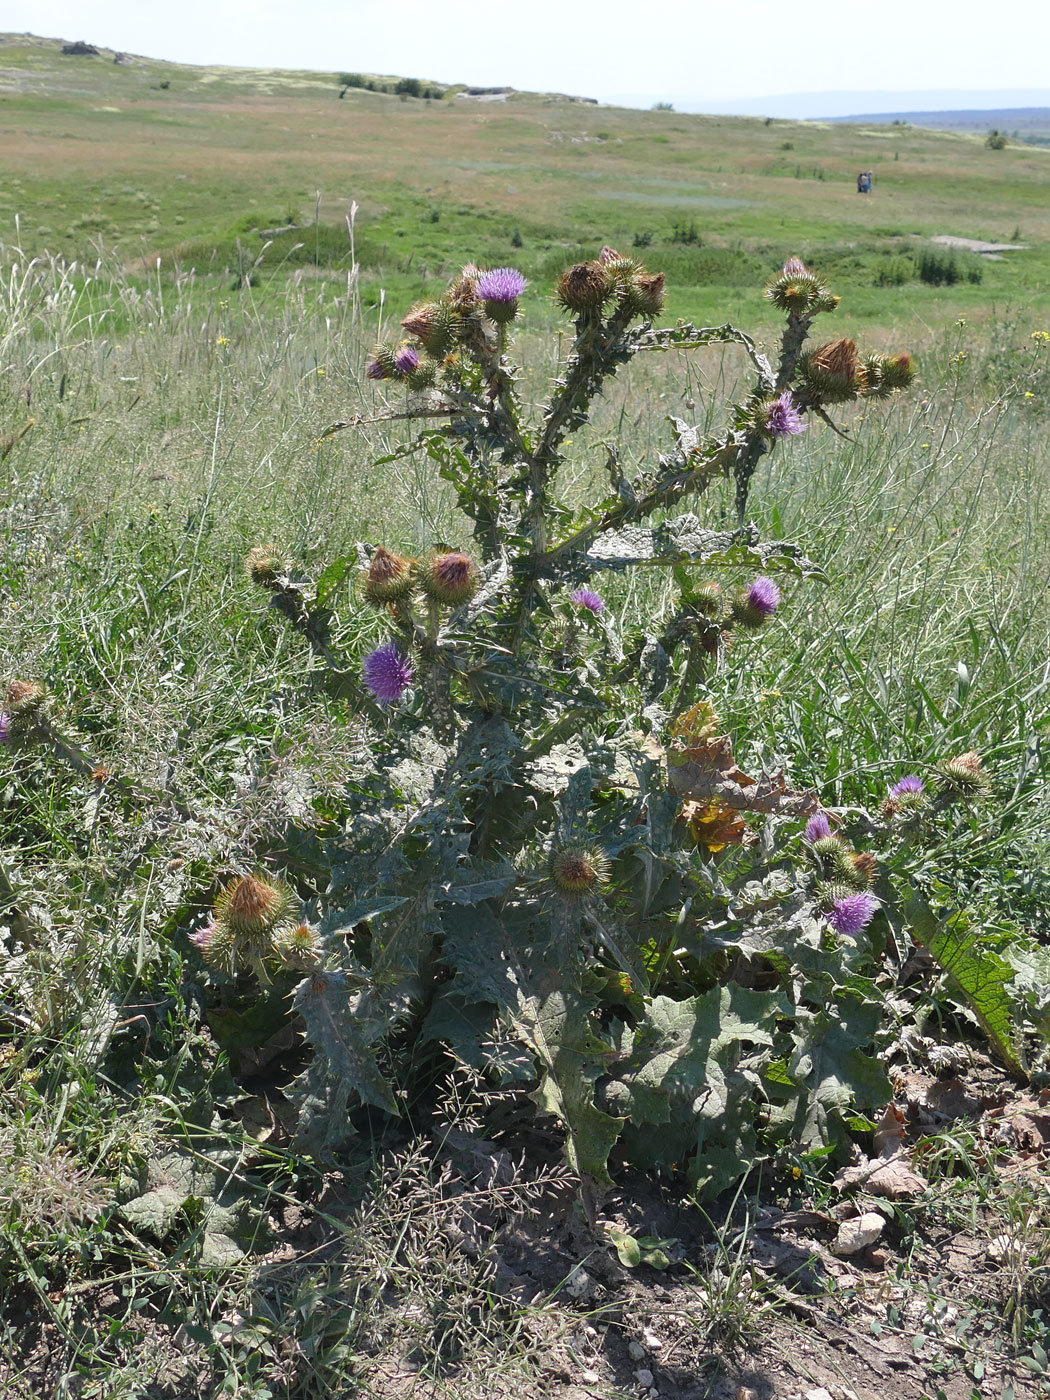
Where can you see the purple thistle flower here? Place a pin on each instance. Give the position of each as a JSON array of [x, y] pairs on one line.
[[911, 783], [795, 267], [783, 418], [5, 729], [388, 673], [818, 827], [406, 361], [202, 937], [376, 370], [586, 598], [764, 597], [502, 284], [853, 912]]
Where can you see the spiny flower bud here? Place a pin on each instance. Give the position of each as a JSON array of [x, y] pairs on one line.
[[389, 577], [424, 375], [865, 868], [383, 364], [829, 847], [584, 287], [450, 578], [833, 373], [299, 947], [266, 565], [754, 606], [709, 599], [646, 294], [797, 293], [218, 947], [254, 905], [406, 360], [578, 871], [23, 711], [829, 893], [898, 370], [420, 318], [965, 776], [440, 330]]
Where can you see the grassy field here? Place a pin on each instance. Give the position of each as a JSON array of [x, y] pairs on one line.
[[160, 1234]]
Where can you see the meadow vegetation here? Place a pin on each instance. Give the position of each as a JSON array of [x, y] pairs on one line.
[[167, 1225]]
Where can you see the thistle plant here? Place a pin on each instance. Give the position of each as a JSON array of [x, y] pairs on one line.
[[556, 873]]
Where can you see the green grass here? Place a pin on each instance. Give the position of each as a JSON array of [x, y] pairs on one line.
[[99, 156]]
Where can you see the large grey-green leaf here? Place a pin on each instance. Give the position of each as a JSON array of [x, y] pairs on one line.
[[683, 540], [344, 1038], [559, 1028], [836, 1067]]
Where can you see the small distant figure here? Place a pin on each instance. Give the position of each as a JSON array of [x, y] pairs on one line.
[[864, 182]]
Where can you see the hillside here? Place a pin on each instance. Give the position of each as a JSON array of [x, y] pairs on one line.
[[1023, 123], [148, 159]]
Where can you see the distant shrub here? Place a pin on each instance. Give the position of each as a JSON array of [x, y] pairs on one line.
[[350, 80], [516, 240], [408, 87], [894, 271], [944, 267], [996, 140], [642, 239], [787, 145], [663, 107], [685, 232]]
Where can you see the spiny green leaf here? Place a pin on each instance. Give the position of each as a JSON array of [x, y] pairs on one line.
[[344, 1038], [981, 975]]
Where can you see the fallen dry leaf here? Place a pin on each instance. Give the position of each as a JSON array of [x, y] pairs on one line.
[[701, 766]]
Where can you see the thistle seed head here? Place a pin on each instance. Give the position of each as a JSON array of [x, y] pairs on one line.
[[266, 565], [24, 698], [450, 578], [420, 319], [389, 578], [833, 373], [254, 905], [585, 287], [866, 868], [965, 776], [578, 871]]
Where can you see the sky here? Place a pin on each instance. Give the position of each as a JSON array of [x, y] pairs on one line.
[[698, 54]]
